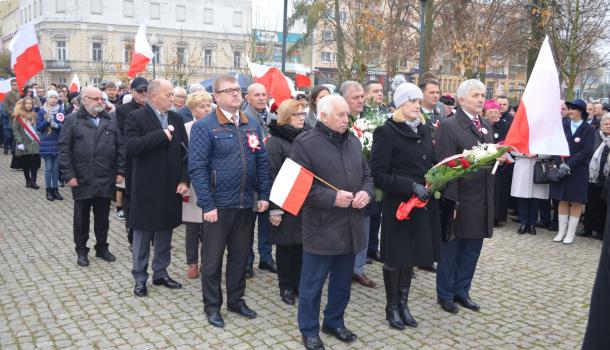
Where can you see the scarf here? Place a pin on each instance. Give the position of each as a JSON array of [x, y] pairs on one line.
[[597, 159], [413, 124]]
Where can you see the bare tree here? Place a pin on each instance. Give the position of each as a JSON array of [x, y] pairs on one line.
[[183, 61]]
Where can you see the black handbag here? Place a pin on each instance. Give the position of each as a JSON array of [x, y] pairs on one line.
[[545, 172]]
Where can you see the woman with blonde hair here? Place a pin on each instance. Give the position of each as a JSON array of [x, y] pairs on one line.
[[27, 141]]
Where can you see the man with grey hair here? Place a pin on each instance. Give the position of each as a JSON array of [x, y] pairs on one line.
[[464, 226], [332, 219]]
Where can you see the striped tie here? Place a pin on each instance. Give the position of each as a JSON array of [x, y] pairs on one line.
[[477, 123]]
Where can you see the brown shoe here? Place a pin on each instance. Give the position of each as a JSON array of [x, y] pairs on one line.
[[193, 271], [363, 280]]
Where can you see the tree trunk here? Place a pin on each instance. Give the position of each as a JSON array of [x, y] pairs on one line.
[[537, 21], [341, 69], [428, 27]]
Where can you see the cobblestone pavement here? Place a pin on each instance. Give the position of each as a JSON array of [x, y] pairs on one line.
[[534, 294]]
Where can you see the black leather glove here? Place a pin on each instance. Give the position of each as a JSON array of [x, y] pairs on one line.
[[564, 170], [420, 191]]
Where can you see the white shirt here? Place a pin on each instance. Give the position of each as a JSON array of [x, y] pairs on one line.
[[470, 115]]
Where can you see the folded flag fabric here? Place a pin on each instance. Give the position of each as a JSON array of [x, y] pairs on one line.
[[5, 88], [26, 60], [291, 186], [142, 53]]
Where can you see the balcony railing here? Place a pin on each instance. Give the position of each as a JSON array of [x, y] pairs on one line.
[[58, 65]]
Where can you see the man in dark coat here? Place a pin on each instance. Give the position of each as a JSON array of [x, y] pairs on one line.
[[92, 160], [333, 224], [155, 139], [473, 196]]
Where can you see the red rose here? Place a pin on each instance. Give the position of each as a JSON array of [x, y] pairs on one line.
[[465, 164], [452, 163]]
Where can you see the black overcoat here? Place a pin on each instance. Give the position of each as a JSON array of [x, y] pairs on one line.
[[158, 166], [504, 175], [474, 193], [400, 157]]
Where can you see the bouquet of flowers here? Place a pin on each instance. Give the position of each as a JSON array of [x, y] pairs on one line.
[[363, 127], [479, 157]]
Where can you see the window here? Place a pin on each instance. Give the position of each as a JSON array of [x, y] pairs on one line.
[[61, 80], [236, 59], [180, 13], [128, 51], [208, 16], [95, 7], [96, 82], [325, 57], [155, 10], [327, 35], [61, 49], [60, 6], [96, 51], [128, 8], [157, 54], [207, 57], [181, 55], [237, 19]]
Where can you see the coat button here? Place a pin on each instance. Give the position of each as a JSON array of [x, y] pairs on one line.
[[425, 157], [418, 141]]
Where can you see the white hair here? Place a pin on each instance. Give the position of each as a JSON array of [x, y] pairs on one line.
[[605, 117], [347, 85], [469, 85], [196, 87], [327, 104]]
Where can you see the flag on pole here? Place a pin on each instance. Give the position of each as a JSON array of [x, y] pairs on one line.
[[75, 84], [291, 186], [277, 84], [302, 80], [537, 127], [26, 61], [142, 53], [5, 88]]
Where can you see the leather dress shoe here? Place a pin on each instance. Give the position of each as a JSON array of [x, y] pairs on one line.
[[584, 233], [363, 280], [288, 296], [369, 260], [105, 255], [249, 271], [467, 303], [140, 289], [431, 268], [167, 282], [82, 260], [521, 230], [375, 256], [531, 230], [242, 310], [268, 265], [341, 333], [449, 306], [215, 319], [313, 343]]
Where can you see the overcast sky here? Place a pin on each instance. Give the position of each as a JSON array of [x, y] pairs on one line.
[[267, 14]]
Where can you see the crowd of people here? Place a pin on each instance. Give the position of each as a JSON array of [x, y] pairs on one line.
[[169, 156]]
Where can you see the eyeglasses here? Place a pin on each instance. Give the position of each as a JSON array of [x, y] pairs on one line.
[[299, 115], [179, 96], [141, 91], [230, 91], [96, 99]]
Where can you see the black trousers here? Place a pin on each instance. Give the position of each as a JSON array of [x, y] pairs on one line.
[[194, 235], [595, 212], [101, 210], [30, 164], [289, 260], [232, 231]]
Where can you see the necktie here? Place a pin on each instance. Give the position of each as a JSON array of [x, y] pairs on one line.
[[234, 119], [477, 123], [163, 120]]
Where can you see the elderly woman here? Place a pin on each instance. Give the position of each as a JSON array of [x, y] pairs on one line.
[[401, 155], [285, 229], [571, 191], [179, 98], [595, 213], [200, 104], [316, 95]]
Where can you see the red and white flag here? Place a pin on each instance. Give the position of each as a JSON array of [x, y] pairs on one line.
[[26, 61], [142, 53], [277, 84], [75, 84], [5, 88], [291, 186], [537, 127], [302, 81]]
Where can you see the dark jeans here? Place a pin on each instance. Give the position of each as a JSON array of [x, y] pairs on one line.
[[194, 235], [51, 171], [264, 244], [101, 210], [456, 267], [544, 208], [289, 260], [8, 138], [595, 212], [528, 211]]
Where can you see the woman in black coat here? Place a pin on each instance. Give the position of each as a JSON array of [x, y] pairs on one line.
[[571, 191], [401, 155], [285, 229]]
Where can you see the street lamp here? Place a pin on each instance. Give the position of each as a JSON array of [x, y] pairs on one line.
[[422, 15], [153, 42]]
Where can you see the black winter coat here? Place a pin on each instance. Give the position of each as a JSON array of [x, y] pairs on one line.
[[278, 149], [93, 155], [158, 166], [400, 157], [475, 192], [336, 158], [122, 113], [504, 175]]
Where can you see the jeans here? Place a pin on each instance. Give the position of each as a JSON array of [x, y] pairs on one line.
[[528, 211], [51, 171], [8, 138], [360, 259], [264, 245]]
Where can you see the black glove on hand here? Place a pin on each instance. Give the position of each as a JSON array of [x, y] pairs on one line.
[[420, 191]]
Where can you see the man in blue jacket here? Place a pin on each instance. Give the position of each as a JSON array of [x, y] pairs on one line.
[[227, 164]]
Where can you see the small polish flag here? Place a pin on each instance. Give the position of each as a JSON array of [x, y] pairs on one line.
[[75, 84], [277, 84], [26, 61], [291, 186], [142, 53], [5, 88]]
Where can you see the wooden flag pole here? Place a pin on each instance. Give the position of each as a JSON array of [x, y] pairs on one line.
[[324, 182]]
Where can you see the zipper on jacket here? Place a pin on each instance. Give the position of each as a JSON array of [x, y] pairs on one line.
[[244, 172]]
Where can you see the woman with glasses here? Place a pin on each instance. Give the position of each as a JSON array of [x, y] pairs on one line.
[[179, 98]]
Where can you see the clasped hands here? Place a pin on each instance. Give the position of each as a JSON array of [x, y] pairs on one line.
[[212, 215], [346, 199]]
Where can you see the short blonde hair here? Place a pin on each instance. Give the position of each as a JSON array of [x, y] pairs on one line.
[[399, 115], [179, 90], [196, 98], [286, 110]]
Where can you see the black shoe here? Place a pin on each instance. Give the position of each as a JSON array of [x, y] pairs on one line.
[[167, 282], [531, 230], [391, 280], [249, 271], [467, 303], [341, 333], [57, 195], [375, 256], [140, 289], [105, 255], [369, 260], [430, 268], [268, 265], [82, 260], [34, 186], [449, 306], [522, 229], [215, 319], [5, 151], [553, 226], [50, 194], [584, 233], [243, 310], [62, 184], [543, 225], [288, 296], [313, 343]]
